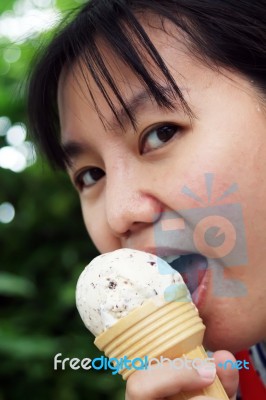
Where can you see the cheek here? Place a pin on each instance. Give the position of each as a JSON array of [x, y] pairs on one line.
[[220, 156], [237, 159], [98, 230], [203, 172]]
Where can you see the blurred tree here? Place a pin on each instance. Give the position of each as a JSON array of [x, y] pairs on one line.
[[44, 245]]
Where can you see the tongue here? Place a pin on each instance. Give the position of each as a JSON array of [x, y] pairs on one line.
[[192, 267]]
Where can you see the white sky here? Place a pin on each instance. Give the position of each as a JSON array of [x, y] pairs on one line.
[[28, 18]]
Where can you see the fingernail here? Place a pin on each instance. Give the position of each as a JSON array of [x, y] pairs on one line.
[[207, 371]]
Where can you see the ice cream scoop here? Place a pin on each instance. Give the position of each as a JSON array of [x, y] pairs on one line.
[[115, 283], [138, 306]]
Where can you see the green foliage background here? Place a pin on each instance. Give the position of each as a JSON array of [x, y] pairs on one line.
[[42, 252]]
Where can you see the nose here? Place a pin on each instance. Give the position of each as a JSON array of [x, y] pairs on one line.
[[129, 200]]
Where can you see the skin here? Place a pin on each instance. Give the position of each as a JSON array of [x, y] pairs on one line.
[[145, 177]]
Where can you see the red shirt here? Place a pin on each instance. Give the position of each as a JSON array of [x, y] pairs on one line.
[[250, 384]]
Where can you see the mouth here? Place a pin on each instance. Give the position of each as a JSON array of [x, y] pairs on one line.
[[192, 267]]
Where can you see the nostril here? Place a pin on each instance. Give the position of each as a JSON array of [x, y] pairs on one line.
[[126, 234]]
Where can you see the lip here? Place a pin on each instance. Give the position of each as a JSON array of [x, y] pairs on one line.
[[199, 296], [165, 251]]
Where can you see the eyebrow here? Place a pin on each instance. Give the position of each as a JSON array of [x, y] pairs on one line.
[[74, 149], [134, 105], [139, 101]]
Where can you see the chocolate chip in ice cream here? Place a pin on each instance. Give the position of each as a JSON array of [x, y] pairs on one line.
[[112, 285]]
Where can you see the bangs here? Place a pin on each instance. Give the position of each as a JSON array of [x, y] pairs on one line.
[[135, 49], [122, 32]]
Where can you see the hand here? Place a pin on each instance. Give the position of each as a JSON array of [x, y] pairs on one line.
[[163, 382]]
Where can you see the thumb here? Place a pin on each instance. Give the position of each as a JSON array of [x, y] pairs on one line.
[[229, 377]]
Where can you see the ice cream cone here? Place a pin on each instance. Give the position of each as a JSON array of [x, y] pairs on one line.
[[159, 328]]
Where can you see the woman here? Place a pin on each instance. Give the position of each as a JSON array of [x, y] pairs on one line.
[[148, 104]]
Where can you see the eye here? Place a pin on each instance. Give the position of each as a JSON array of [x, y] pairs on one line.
[[88, 177], [158, 137]]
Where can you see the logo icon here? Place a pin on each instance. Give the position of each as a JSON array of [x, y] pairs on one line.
[[214, 230]]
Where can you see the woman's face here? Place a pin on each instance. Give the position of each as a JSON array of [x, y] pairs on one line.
[[131, 183]]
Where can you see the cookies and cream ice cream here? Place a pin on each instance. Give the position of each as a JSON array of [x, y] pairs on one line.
[[138, 306], [115, 283]]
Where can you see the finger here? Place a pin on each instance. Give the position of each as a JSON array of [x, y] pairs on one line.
[[202, 398], [166, 381], [229, 377]]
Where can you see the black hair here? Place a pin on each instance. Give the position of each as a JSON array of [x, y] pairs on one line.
[[227, 33]]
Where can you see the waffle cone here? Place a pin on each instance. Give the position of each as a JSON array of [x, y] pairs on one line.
[[159, 328]]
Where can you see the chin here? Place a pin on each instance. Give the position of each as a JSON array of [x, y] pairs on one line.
[[219, 336]]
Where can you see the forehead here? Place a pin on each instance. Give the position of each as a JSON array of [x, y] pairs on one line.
[[168, 41]]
